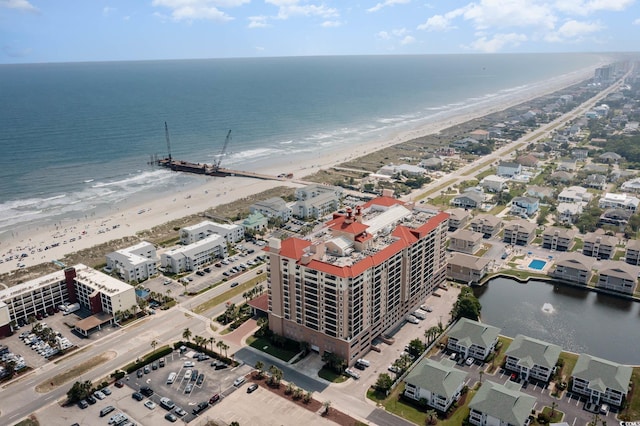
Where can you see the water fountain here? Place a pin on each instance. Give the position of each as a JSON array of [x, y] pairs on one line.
[[548, 308]]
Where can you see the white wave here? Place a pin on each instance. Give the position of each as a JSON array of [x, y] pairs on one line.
[[289, 142], [89, 180]]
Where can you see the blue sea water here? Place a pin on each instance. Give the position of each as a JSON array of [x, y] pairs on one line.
[[77, 137]]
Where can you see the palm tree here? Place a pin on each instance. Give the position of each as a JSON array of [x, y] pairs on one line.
[[432, 417], [260, 367], [197, 340], [225, 347], [211, 340], [186, 334], [326, 405], [246, 296], [481, 372], [554, 405], [220, 344], [154, 343]]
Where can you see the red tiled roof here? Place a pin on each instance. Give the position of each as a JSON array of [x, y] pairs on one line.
[[261, 302], [383, 201], [293, 247], [341, 224]]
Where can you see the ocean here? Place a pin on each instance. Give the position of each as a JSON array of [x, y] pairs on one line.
[[76, 138]]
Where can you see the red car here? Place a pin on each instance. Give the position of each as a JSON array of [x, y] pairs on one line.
[[214, 399], [118, 384]]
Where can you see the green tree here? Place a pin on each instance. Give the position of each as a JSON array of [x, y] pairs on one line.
[[467, 305], [384, 383], [79, 390], [416, 347], [154, 343], [186, 334], [260, 367]]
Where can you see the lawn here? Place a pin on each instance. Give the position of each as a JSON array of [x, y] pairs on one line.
[[633, 410], [332, 376], [75, 372], [570, 360], [486, 173], [266, 346], [557, 415], [506, 341], [478, 167], [577, 244], [436, 189], [485, 248], [30, 421], [220, 299]]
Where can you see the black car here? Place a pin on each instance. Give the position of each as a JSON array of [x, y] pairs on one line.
[[252, 387], [146, 391], [200, 379], [83, 404], [137, 396], [200, 407], [207, 270], [139, 373], [91, 399], [170, 417], [234, 284], [194, 376]]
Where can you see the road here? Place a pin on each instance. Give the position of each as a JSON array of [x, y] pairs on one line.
[[20, 399]]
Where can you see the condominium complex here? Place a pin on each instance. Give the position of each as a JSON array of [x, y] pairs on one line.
[[358, 278], [191, 257], [232, 233], [135, 263], [95, 291]]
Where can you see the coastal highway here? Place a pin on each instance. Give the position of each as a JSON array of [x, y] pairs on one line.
[[469, 171]]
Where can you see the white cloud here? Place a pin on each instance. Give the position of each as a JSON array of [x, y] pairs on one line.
[[191, 10], [383, 35], [497, 42], [331, 24], [386, 3], [585, 7], [23, 5], [107, 11], [292, 8], [259, 48], [407, 40], [508, 14], [258, 22], [436, 23], [636, 22], [573, 29]]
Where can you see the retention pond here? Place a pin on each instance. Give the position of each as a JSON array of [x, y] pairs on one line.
[[575, 319]]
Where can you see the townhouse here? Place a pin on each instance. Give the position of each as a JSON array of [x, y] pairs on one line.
[[437, 383], [465, 241], [573, 267], [618, 276], [632, 253], [559, 239], [532, 358], [500, 405], [599, 246], [458, 218], [136, 263], [600, 380], [467, 268], [472, 339], [524, 206], [486, 224], [519, 232]]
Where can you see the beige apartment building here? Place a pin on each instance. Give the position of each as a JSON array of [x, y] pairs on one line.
[[359, 278]]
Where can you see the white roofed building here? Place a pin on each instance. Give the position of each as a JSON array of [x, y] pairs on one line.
[[619, 201], [135, 263], [231, 232], [191, 257], [316, 201], [95, 291]]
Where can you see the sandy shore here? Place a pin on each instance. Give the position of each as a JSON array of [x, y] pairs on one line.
[[81, 234]]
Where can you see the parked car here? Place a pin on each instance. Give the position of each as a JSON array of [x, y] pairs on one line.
[[137, 396], [394, 369], [146, 391], [172, 418], [106, 391], [215, 398], [99, 395], [139, 373], [180, 412], [470, 361], [83, 404], [201, 406], [91, 400], [188, 388], [150, 405], [352, 373], [237, 382], [119, 384], [252, 387]]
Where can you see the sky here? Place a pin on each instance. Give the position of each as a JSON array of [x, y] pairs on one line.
[[35, 31]]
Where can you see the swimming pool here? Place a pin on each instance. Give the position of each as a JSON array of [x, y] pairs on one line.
[[537, 264]]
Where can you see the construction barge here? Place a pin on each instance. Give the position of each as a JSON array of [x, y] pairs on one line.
[[209, 169]]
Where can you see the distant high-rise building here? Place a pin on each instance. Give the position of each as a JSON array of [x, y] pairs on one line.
[[603, 74], [358, 278]]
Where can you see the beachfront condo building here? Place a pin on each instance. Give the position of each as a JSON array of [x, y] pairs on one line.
[[196, 255], [97, 293], [231, 232], [358, 278], [134, 264]]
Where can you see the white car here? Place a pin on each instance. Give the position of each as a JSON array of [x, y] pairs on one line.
[[150, 405], [412, 319], [352, 373], [99, 395], [469, 361]]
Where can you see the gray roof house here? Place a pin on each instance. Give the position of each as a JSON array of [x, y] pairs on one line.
[[610, 157], [556, 238], [273, 207], [532, 358], [632, 254], [573, 267], [472, 338], [519, 232], [602, 381], [465, 241], [458, 218], [469, 200], [496, 404], [439, 383], [600, 246], [509, 169], [489, 225], [618, 276], [467, 268]]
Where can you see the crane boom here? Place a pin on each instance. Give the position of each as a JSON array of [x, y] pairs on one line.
[[166, 135], [224, 149]]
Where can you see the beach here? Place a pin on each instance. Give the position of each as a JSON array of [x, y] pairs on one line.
[[43, 245]]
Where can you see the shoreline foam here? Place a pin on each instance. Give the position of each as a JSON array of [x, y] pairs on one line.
[[134, 217]]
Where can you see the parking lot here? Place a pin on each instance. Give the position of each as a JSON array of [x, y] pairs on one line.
[[214, 382]]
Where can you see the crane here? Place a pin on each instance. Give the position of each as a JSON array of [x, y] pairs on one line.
[[216, 165], [166, 135]]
